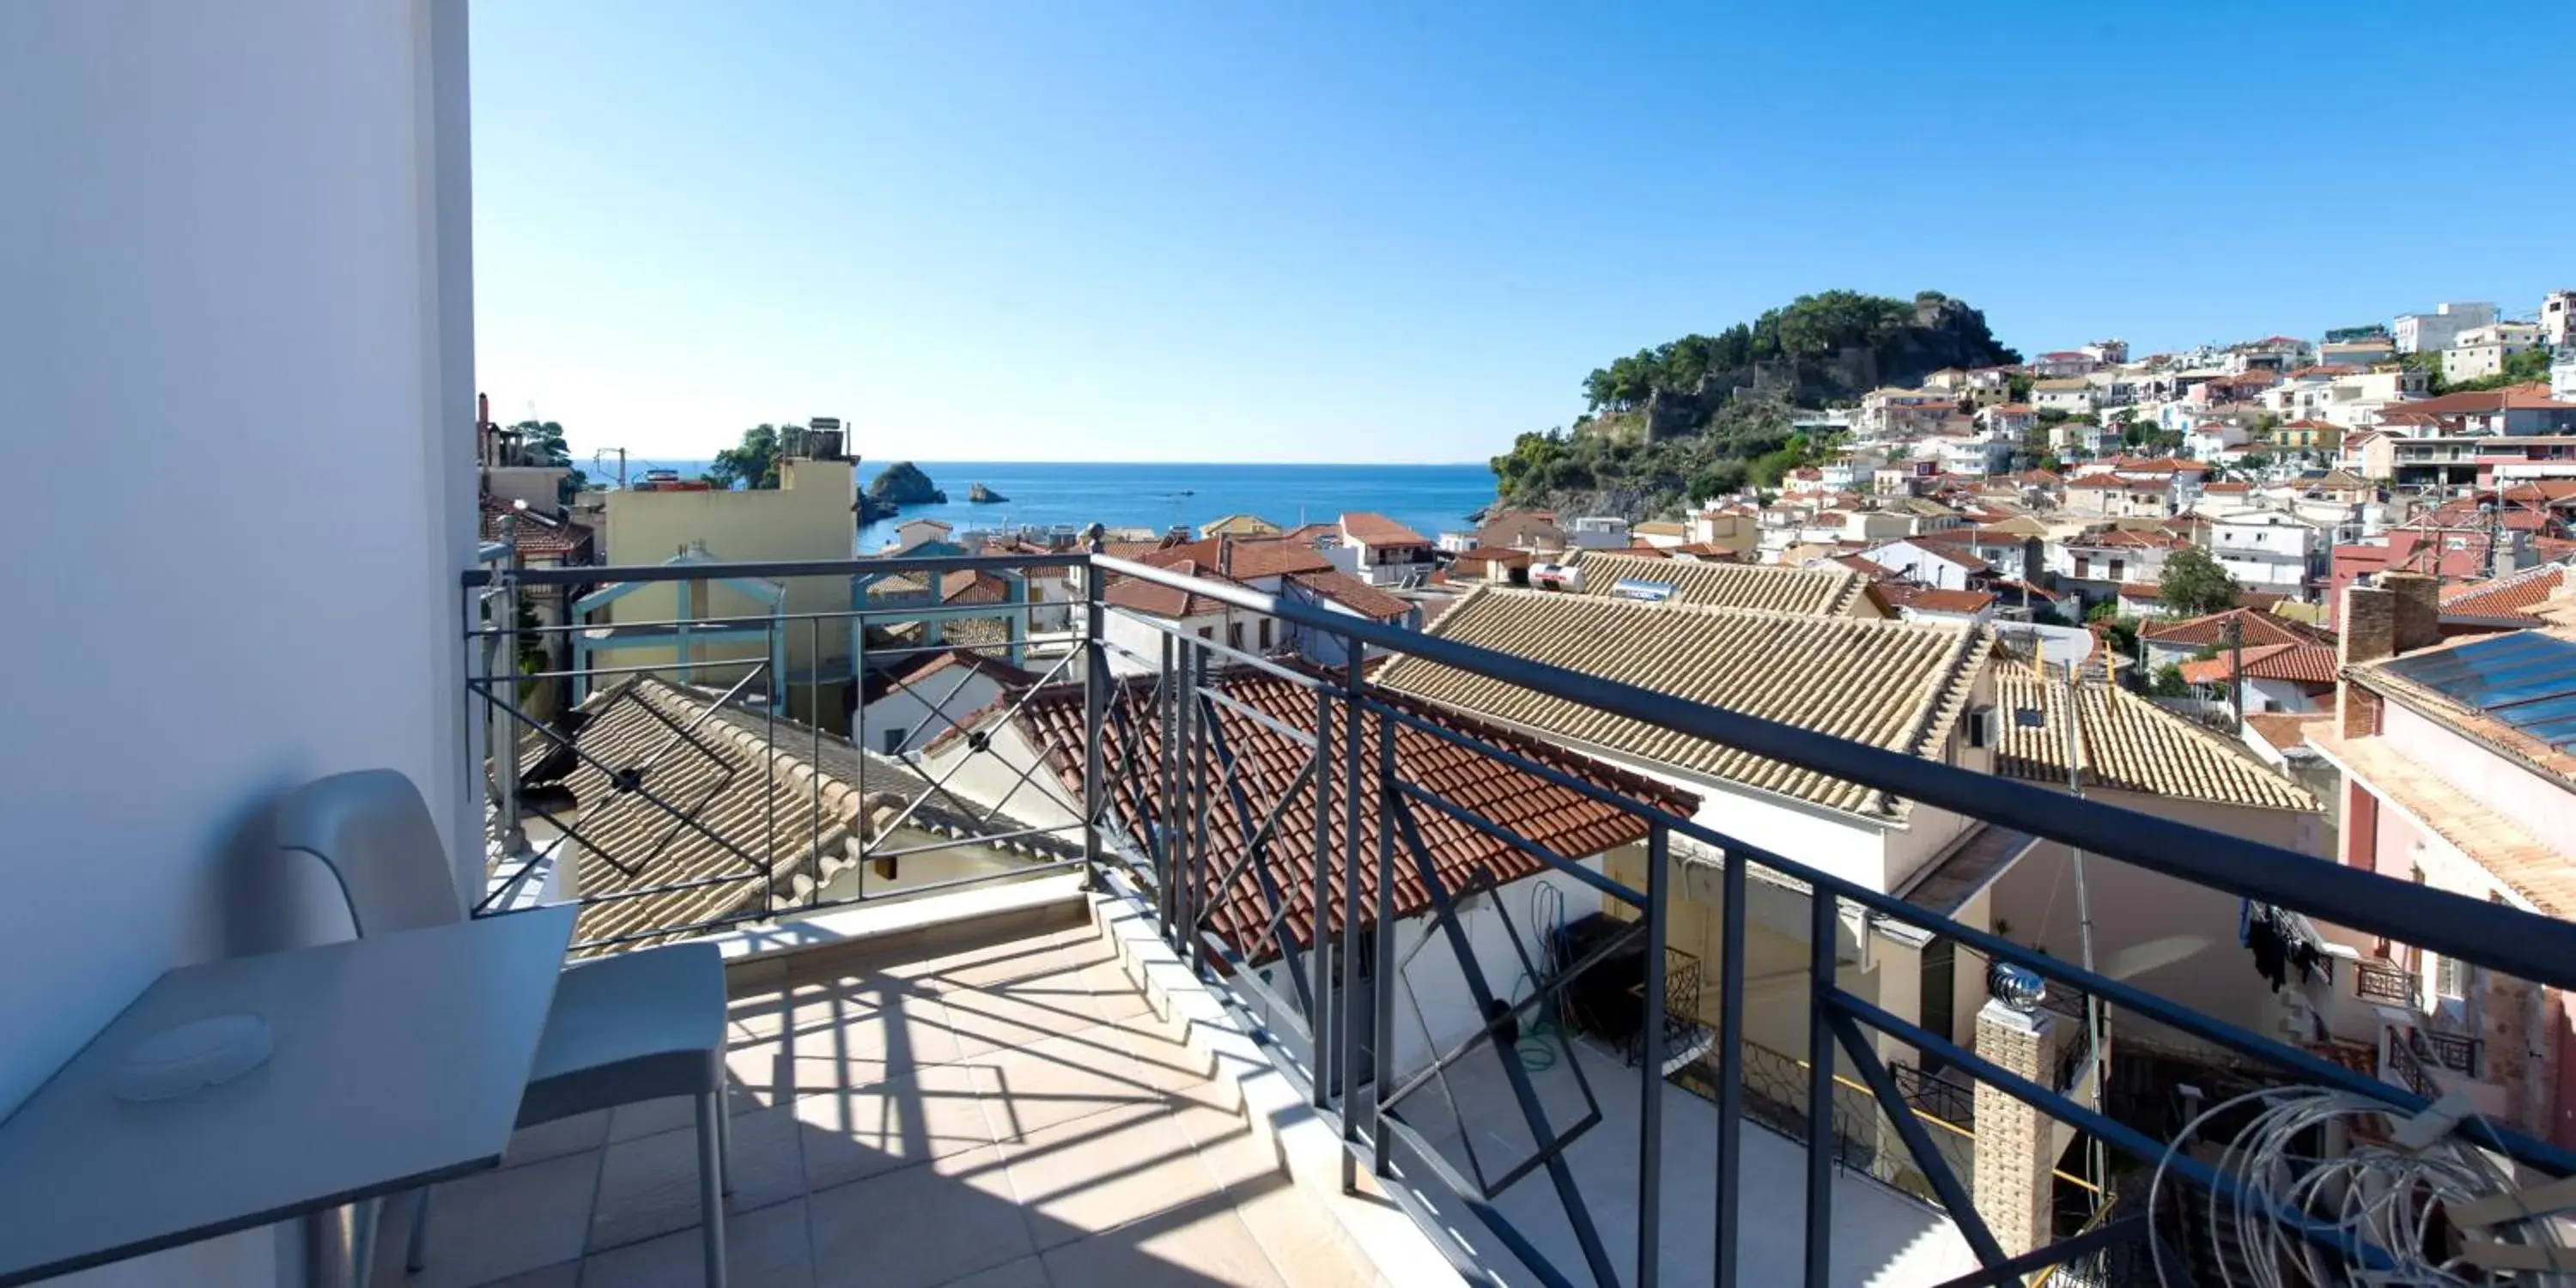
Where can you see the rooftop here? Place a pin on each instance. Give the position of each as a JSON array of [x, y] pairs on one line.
[[1828, 590], [1894, 685], [2128, 744], [1378, 530]]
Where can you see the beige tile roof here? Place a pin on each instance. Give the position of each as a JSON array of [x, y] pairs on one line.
[[1824, 589], [1895, 685], [2540, 874], [2128, 744], [744, 799]]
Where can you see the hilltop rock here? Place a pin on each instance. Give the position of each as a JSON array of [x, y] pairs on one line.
[[979, 494], [896, 486]]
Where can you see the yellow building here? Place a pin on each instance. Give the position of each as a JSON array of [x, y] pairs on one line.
[[808, 516]]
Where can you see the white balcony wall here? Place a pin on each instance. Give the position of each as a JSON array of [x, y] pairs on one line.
[[238, 260]]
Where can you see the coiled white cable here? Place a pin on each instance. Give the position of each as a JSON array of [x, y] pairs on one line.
[[2376, 1194]]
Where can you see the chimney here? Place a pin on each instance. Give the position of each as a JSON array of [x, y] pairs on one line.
[[2418, 622], [2369, 635], [1225, 556]]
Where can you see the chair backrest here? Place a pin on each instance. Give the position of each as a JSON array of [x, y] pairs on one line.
[[373, 831]]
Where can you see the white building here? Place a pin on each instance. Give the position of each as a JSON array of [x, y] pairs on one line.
[[2433, 332], [2072, 395], [2479, 351], [2268, 550], [2558, 318]]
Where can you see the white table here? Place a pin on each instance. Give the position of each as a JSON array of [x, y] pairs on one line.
[[398, 1060]]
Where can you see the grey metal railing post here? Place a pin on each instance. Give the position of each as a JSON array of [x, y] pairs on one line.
[[1382, 1006], [505, 740], [1327, 1044], [1650, 1064], [1730, 1072], [1348, 1002], [1095, 714], [1189, 899], [1168, 833], [1824, 925]]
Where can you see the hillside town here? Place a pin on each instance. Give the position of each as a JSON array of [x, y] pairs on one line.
[[2233, 587]]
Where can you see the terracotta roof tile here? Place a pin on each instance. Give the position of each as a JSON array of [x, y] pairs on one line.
[[1378, 530], [1356, 595], [2257, 628], [2513, 595], [1265, 764], [539, 536]]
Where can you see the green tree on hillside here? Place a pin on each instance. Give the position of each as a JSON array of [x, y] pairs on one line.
[[2194, 584]]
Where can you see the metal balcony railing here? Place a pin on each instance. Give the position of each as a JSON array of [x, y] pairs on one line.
[[2381, 982], [725, 750]]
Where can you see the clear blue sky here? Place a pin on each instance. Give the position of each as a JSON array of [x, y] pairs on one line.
[[1398, 232]]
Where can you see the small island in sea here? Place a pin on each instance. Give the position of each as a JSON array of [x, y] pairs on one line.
[[896, 486], [982, 495]]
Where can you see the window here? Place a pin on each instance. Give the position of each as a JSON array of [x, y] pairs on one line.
[[2083, 566], [894, 740], [1207, 633], [2450, 978], [1234, 635], [2116, 566], [1265, 634]]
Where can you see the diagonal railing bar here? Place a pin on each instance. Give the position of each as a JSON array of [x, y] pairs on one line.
[[932, 710], [1533, 1115], [1278, 907], [1511, 837], [1256, 856], [637, 790], [1610, 946], [2118, 1135], [2127, 1229], [1291, 733], [1891, 1103], [1388, 1131], [940, 786]]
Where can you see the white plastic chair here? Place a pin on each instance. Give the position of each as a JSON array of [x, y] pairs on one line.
[[623, 1029]]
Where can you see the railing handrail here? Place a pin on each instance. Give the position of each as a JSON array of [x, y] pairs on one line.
[[2499, 936]]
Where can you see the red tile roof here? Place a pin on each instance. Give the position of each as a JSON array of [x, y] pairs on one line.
[[538, 536], [1263, 557], [1356, 595], [2257, 628], [1951, 601], [1266, 764], [2302, 663], [1378, 530], [1164, 601], [946, 659], [2512, 595]]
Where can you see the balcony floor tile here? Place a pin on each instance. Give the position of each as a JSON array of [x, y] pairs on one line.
[[998, 1115]]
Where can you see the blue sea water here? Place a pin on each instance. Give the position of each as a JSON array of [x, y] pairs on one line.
[[1429, 499]]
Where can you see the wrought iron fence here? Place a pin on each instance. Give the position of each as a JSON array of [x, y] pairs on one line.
[[2453, 1051], [2381, 982], [2402, 1061], [1275, 875]]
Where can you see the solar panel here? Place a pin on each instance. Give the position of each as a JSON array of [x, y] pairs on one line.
[[2526, 680]]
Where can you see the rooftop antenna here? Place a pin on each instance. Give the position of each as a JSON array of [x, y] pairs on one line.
[[600, 459]]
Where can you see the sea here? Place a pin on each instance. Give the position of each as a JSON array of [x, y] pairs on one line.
[[1430, 499]]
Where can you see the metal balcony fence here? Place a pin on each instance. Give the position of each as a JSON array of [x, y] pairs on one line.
[[1289, 908], [2381, 982]]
